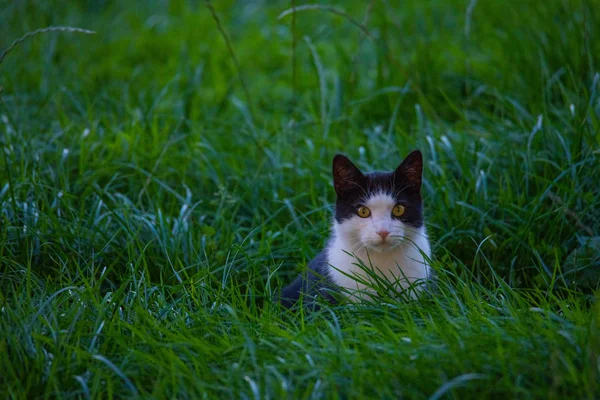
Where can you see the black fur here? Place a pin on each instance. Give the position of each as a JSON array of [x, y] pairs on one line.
[[353, 188], [313, 283]]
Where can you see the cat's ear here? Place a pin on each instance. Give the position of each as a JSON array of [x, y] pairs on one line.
[[346, 176], [410, 170]]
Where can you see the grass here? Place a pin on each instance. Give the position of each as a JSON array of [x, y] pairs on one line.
[[151, 204]]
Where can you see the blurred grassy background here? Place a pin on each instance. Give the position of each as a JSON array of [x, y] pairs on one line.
[[135, 157], [501, 96]]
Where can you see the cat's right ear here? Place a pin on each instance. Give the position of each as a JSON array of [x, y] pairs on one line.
[[346, 176], [410, 170]]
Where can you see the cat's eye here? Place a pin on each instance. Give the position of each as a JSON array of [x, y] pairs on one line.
[[363, 212], [398, 210]]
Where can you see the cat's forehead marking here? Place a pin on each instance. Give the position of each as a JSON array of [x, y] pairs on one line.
[[380, 201]]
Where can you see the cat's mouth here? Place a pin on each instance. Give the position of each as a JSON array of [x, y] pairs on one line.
[[383, 245]]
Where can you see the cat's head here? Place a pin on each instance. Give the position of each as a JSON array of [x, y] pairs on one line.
[[380, 210]]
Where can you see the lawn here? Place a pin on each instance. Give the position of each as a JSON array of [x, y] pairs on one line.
[[162, 178]]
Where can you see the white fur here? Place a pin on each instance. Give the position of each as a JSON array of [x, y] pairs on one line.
[[399, 258]]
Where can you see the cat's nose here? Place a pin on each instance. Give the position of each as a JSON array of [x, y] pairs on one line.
[[383, 234]]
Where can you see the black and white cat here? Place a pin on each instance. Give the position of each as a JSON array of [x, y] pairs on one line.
[[379, 225]]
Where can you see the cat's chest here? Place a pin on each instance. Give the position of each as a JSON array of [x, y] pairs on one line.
[[402, 265]]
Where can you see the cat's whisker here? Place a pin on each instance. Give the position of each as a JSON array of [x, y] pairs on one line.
[[356, 247], [365, 192]]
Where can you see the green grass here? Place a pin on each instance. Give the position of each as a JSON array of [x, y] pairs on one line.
[[150, 206]]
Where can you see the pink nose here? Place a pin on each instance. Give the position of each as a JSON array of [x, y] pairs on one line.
[[383, 234]]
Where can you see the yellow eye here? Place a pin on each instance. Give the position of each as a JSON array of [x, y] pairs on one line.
[[363, 212], [398, 210]]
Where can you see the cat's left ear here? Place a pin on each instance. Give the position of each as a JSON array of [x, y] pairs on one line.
[[411, 170], [346, 176]]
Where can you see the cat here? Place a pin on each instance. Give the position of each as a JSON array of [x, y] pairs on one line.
[[378, 233]]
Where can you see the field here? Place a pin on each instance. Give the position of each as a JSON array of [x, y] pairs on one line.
[[163, 177]]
